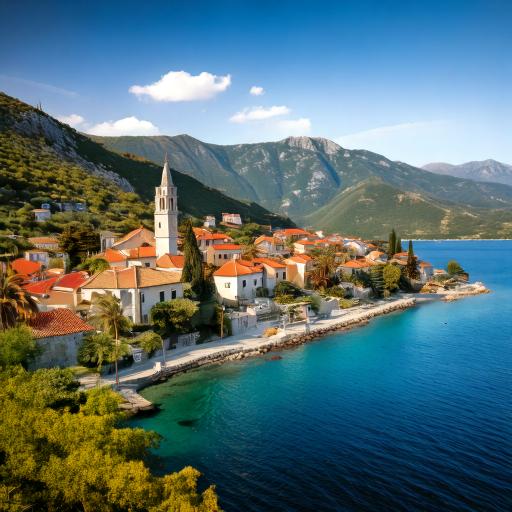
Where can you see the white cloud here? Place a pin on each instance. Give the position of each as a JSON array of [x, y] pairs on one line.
[[182, 86], [299, 126], [73, 120], [259, 114], [256, 90], [126, 126]]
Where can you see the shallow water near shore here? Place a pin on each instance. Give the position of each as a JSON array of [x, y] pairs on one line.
[[411, 412]]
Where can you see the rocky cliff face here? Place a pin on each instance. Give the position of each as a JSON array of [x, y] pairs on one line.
[[63, 140]]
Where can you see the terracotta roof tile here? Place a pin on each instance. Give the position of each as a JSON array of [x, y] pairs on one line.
[[40, 287], [270, 262], [131, 277], [25, 267], [171, 261], [235, 268], [58, 322], [226, 247]]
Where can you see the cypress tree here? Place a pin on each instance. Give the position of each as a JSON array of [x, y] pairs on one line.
[[377, 280], [411, 269], [193, 266], [398, 247], [392, 243]]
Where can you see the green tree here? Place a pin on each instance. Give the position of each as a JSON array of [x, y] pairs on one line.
[[377, 280], [287, 288], [398, 247], [392, 243], [391, 275], [321, 277], [16, 305], [453, 268], [193, 268], [97, 348], [17, 346], [174, 316], [107, 313], [149, 341], [62, 449], [250, 251], [79, 241], [94, 265], [411, 269]]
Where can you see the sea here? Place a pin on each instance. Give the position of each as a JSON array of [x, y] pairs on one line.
[[412, 412]]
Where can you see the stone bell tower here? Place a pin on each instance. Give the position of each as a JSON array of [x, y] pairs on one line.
[[166, 214]]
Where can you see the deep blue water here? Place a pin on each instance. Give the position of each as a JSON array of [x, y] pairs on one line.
[[412, 412]]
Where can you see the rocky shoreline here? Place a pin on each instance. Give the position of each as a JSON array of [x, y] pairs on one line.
[[137, 404]]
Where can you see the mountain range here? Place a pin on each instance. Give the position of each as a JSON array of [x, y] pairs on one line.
[[485, 170], [43, 160], [320, 184]]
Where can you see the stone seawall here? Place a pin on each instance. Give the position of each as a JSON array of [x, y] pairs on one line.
[[278, 342]]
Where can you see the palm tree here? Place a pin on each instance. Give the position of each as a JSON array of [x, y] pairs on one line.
[[15, 303], [107, 313], [325, 265], [250, 251]]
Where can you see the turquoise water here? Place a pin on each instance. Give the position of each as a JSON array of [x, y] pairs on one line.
[[412, 412]]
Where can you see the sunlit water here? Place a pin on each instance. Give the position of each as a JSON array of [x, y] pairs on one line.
[[412, 412]]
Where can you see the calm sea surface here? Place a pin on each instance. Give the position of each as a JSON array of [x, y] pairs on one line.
[[412, 412]]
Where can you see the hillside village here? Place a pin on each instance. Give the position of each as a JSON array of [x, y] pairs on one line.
[[247, 274]]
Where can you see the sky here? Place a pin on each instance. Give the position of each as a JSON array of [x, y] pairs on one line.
[[416, 81]]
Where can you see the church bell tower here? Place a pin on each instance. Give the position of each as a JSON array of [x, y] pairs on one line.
[[166, 214]]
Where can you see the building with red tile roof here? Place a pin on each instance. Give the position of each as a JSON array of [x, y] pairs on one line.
[[173, 262], [218, 254], [237, 281], [136, 238], [58, 333], [29, 270], [138, 288]]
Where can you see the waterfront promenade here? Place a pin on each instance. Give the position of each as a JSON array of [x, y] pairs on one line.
[[246, 344]]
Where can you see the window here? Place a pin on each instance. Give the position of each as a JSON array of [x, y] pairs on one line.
[[227, 285], [244, 283], [145, 319], [142, 297], [255, 282], [225, 256], [284, 275], [159, 224], [162, 296], [173, 294], [147, 264]]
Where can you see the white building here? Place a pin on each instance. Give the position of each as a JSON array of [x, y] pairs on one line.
[[298, 268], [271, 246], [232, 218], [166, 214], [237, 281], [274, 272], [138, 288], [42, 214], [209, 221]]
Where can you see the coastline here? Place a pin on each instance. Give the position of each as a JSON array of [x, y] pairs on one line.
[[241, 347]]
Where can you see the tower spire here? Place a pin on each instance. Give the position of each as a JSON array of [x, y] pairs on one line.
[[166, 174]]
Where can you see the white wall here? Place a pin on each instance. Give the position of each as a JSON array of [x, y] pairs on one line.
[[236, 290], [137, 303]]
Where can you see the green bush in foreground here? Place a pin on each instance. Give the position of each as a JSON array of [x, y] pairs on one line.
[[62, 449]]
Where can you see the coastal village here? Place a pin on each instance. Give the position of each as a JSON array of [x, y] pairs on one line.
[[155, 294]]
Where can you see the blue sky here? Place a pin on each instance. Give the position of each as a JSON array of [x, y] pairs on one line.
[[415, 81]]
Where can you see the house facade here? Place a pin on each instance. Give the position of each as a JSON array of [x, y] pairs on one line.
[[219, 254], [59, 334], [138, 288], [237, 281]]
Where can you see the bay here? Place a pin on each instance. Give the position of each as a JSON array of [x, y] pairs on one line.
[[412, 412]]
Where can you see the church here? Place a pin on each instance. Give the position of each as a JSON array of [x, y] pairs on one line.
[[142, 247]]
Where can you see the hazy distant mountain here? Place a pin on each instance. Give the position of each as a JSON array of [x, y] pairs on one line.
[[486, 170]]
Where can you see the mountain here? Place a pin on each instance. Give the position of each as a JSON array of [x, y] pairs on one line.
[[372, 208], [300, 176], [485, 170], [43, 160], [297, 175]]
